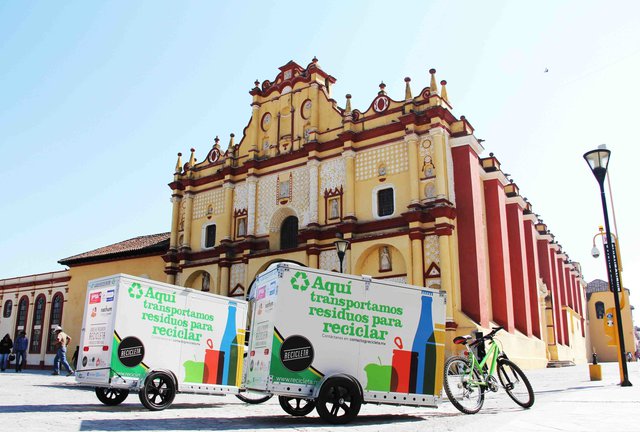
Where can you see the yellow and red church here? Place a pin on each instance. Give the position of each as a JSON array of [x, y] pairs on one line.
[[403, 180]]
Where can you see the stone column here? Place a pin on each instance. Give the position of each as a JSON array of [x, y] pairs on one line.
[[228, 208], [175, 221], [188, 216], [414, 168], [350, 189], [313, 190], [252, 185], [224, 279], [438, 138], [417, 258]]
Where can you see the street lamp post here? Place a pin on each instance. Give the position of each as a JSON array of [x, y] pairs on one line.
[[598, 161], [341, 247]]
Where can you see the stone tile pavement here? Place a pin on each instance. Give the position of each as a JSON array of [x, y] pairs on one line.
[[565, 401]]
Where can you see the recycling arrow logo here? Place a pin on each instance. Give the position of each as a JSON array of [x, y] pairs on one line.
[[135, 290], [299, 281]]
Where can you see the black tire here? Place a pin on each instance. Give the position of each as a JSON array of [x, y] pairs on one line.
[[466, 396], [339, 400], [111, 396], [515, 383], [158, 391], [298, 407], [253, 398]]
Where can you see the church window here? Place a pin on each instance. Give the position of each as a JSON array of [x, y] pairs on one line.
[[21, 320], [36, 325], [209, 236], [599, 310], [55, 319], [385, 202], [289, 233], [8, 305]]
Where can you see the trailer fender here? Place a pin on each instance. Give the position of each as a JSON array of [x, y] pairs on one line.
[[316, 390]]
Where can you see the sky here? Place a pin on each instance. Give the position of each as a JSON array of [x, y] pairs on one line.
[[97, 98]]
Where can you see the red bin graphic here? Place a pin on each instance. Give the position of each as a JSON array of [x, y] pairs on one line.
[[213, 365], [403, 369]]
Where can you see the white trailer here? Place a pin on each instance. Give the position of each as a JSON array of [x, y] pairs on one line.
[[333, 341], [159, 339]]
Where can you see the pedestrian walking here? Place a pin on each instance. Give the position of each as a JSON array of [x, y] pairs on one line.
[[20, 348], [6, 344], [62, 340]]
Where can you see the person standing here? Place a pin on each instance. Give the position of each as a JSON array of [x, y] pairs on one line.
[[62, 340], [20, 348], [5, 348]]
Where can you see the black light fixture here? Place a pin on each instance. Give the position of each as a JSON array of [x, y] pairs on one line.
[[341, 247], [598, 161]]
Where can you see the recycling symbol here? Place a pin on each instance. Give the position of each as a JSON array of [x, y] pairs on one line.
[[135, 290], [300, 281]]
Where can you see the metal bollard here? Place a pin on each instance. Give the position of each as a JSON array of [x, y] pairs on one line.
[[595, 370]]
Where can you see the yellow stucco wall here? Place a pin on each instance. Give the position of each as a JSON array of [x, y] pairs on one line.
[[602, 330], [151, 267]]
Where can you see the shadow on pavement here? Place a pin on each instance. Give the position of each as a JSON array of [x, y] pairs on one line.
[[570, 389], [125, 407], [250, 423]]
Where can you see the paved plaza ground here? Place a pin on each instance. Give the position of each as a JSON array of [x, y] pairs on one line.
[[565, 401]]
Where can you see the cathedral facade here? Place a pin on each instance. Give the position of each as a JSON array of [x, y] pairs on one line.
[[402, 180]]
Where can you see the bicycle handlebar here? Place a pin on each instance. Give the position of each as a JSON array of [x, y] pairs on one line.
[[488, 336]]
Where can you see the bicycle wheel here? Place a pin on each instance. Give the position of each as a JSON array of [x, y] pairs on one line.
[[515, 383], [463, 393]]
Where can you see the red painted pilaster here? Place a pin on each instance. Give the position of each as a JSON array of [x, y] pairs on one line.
[[581, 303], [570, 288], [533, 270], [557, 296], [519, 269], [563, 297], [546, 273], [467, 183], [499, 267]]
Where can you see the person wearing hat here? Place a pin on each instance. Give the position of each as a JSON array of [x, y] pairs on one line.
[[62, 340], [20, 348]]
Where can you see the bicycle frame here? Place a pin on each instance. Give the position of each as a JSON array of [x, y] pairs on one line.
[[490, 360]]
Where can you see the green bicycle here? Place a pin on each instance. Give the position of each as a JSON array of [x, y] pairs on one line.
[[466, 379]]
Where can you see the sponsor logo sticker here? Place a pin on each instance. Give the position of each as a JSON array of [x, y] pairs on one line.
[[296, 353], [131, 351]]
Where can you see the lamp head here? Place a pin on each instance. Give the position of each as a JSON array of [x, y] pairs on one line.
[[595, 252], [598, 161], [341, 245]]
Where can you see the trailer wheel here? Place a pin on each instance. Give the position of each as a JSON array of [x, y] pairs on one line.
[[297, 407], [111, 396], [158, 391], [338, 401]]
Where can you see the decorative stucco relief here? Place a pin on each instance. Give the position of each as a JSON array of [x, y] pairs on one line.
[[432, 250], [268, 200], [399, 279], [202, 200], [332, 174], [394, 156], [240, 196], [328, 260], [237, 275]]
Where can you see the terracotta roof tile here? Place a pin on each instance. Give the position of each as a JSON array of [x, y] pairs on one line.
[[132, 247]]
